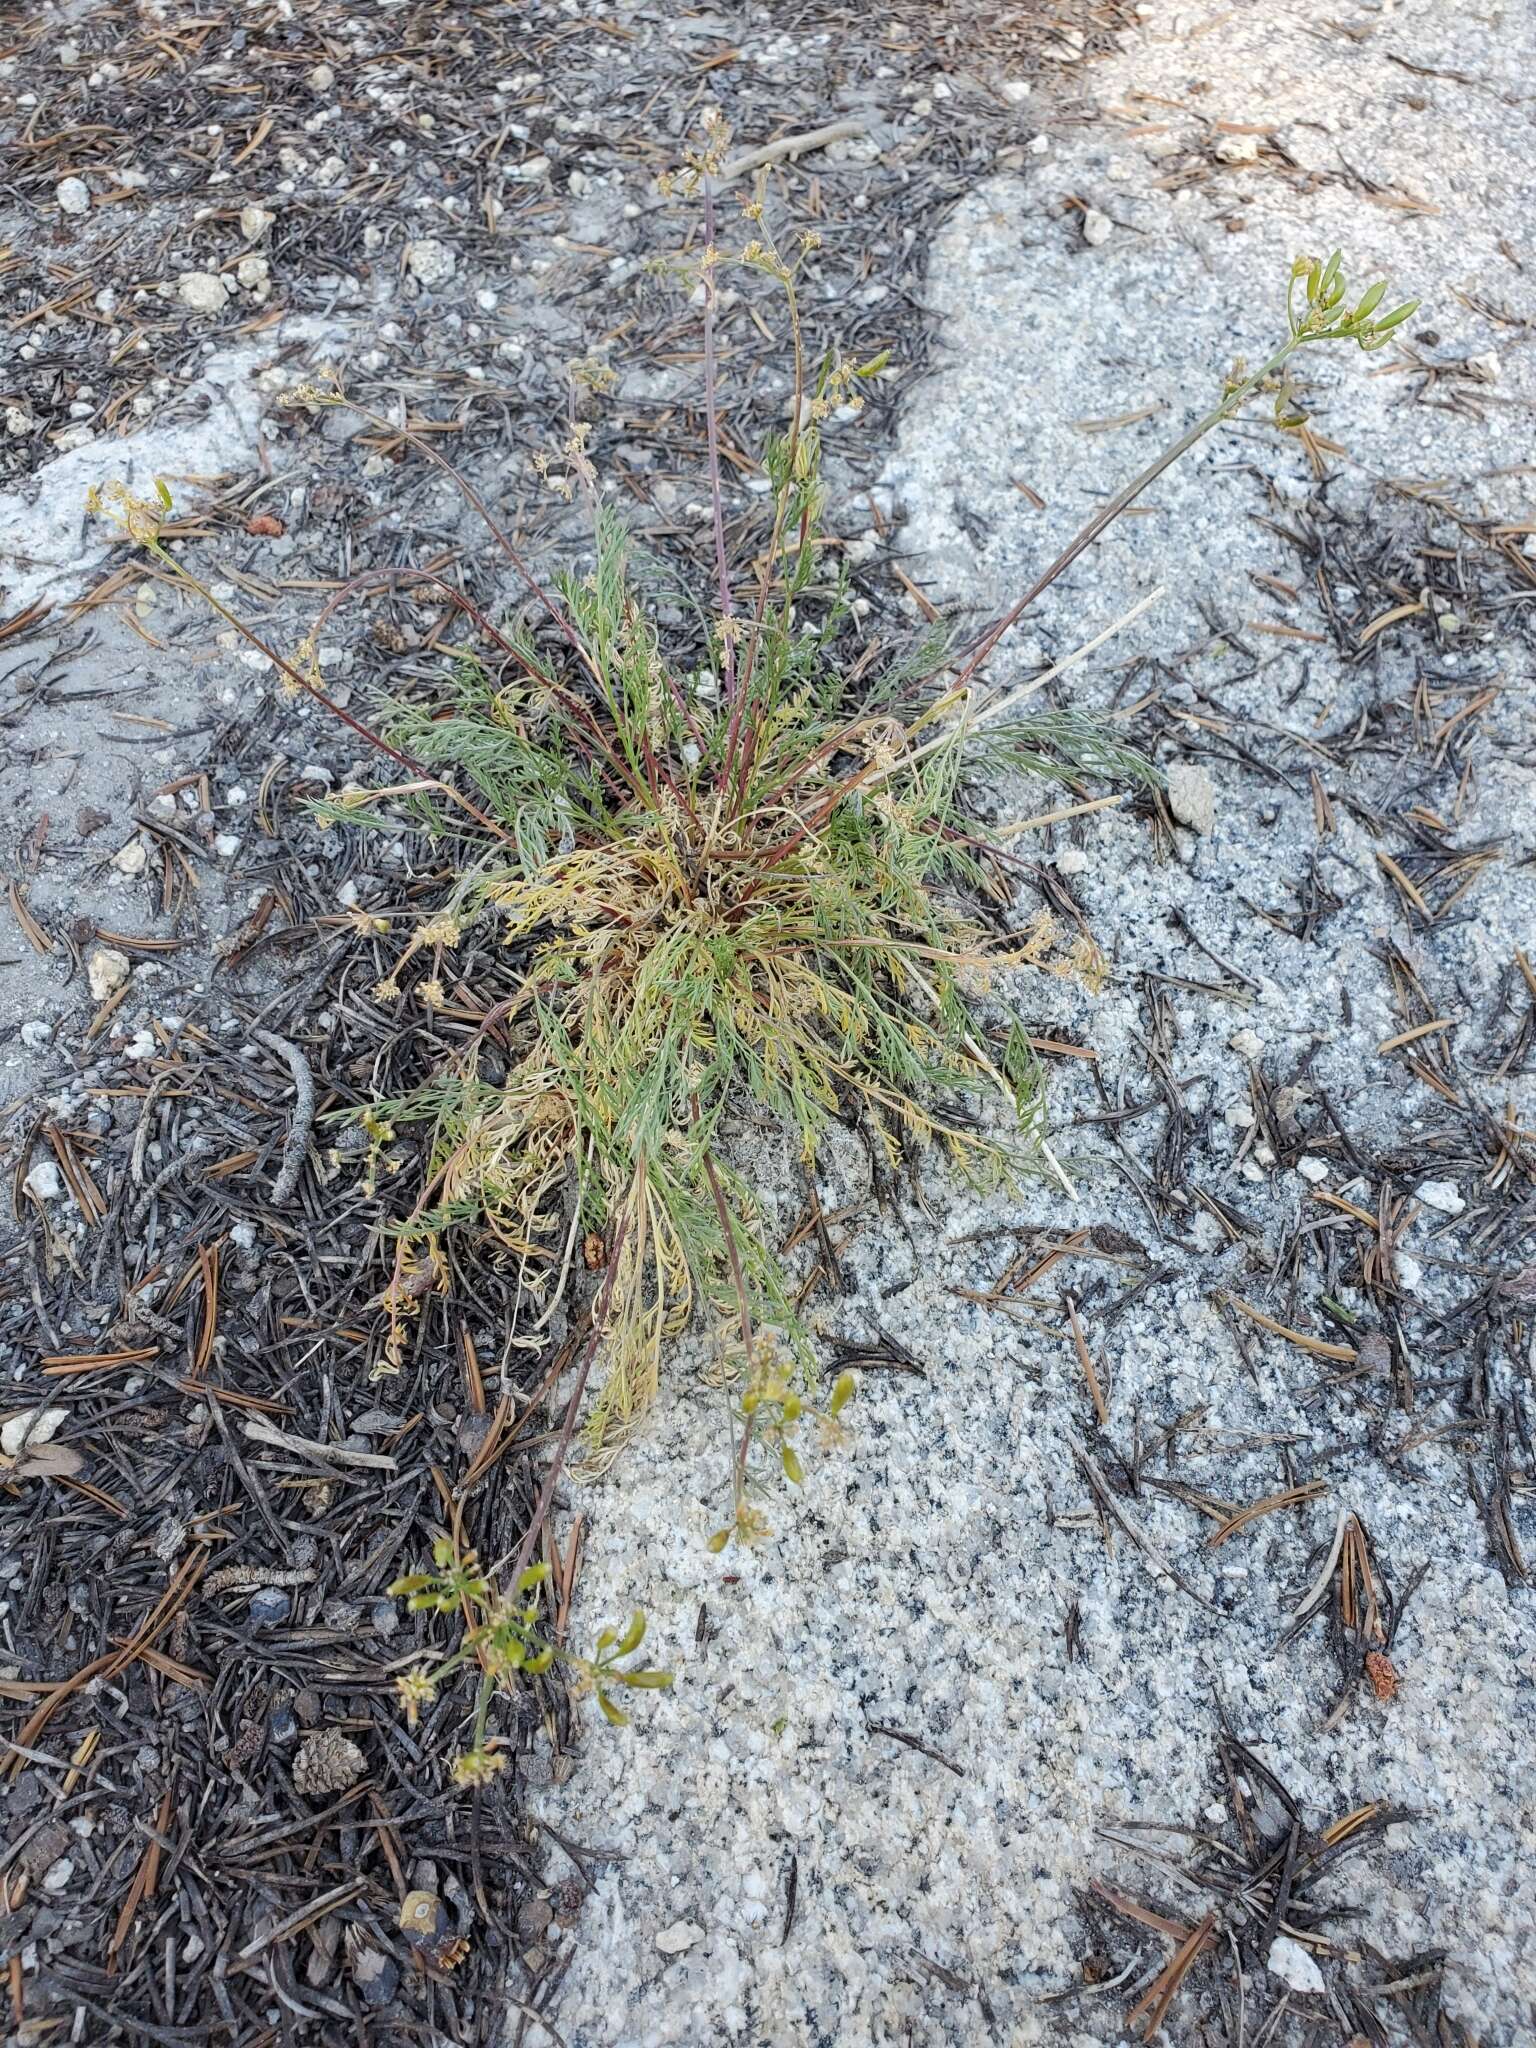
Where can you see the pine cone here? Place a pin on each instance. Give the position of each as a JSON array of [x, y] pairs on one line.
[[327, 1762]]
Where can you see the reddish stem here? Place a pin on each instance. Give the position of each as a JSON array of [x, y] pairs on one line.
[[712, 434]]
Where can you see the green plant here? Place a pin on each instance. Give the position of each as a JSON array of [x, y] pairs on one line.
[[505, 1638], [737, 873]]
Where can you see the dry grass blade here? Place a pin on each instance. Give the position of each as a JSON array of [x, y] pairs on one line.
[[1289, 1497], [1316, 1345], [1151, 2009]]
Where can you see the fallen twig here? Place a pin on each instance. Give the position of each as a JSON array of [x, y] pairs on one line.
[[297, 1144]]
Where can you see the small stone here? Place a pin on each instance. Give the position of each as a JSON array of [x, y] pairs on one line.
[[1192, 796], [1038, 144], [57, 1875], [254, 222], [44, 1181], [73, 196], [271, 1607], [1247, 1042], [1071, 861], [131, 859], [1314, 1170], [533, 1918], [200, 291], [1289, 1961], [430, 262], [681, 1935], [106, 971], [1239, 1116], [251, 273], [226, 845], [283, 1725], [1015, 91], [1485, 366], [1237, 149], [327, 1762], [36, 1034], [322, 78], [1097, 228], [530, 170], [32, 1426], [1409, 1272], [1442, 1195], [385, 1617]]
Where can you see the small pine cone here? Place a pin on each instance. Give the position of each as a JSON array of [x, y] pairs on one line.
[[327, 1762]]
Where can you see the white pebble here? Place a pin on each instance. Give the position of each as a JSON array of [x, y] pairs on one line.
[[200, 291], [1289, 1961], [44, 1181], [430, 262], [31, 1426], [1097, 228], [106, 971]]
